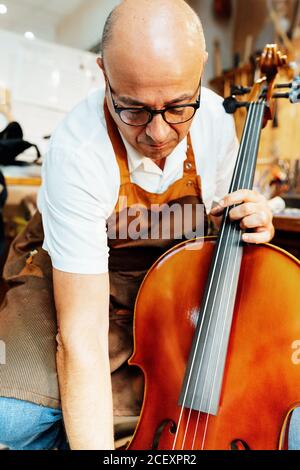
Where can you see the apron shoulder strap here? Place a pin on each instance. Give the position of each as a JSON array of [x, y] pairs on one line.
[[190, 163], [118, 146]]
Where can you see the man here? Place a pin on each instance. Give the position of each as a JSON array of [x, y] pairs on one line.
[[146, 140]]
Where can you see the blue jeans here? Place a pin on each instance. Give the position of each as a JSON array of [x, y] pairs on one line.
[[294, 430], [26, 426]]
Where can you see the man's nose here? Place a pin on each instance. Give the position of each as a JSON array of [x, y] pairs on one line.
[[158, 129]]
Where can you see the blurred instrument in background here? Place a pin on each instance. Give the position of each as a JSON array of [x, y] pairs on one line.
[[279, 154], [223, 9]]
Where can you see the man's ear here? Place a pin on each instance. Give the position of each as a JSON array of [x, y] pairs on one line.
[[101, 65], [205, 58]]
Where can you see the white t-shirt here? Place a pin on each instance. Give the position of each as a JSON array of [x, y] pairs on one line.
[[81, 178]]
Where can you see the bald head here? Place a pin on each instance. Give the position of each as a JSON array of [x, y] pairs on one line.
[[151, 22]]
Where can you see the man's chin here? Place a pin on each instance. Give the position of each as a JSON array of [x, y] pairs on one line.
[[157, 153]]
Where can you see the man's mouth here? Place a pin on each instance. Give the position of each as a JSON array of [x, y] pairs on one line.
[[158, 147]]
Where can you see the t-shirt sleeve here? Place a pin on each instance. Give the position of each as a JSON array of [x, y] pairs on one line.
[[75, 200], [228, 151]]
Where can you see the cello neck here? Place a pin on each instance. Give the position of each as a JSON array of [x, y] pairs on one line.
[[243, 176]]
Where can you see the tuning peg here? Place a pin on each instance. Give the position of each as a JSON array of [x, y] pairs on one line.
[[281, 95], [239, 90], [231, 104], [283, 85]]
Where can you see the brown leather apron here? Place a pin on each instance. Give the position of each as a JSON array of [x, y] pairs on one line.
[[27, 315]]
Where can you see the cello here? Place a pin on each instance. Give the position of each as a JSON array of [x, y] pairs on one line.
[[217, 326]]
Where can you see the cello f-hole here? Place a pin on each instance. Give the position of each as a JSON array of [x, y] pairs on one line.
[[161, 430], [239, 444]]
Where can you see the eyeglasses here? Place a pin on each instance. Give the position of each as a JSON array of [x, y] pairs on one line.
[[138, 117]]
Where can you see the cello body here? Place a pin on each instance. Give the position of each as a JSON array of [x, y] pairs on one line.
[[261, 382]]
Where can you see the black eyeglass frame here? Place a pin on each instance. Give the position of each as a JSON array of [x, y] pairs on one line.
[[154, 112]]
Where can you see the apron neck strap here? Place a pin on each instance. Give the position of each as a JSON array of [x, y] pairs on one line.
[[118, 145], [190, 164]]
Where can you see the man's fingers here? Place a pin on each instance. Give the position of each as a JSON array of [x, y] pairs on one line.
[[238, 197], [257, 237], [253, 212], [217, 211], [244, 210], [255, 220]]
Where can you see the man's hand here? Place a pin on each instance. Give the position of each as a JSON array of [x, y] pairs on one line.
[[253, 212]]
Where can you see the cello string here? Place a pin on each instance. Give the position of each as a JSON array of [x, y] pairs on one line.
[[248, 175], [205, 312], [244, 141], [227, 312], [240, 173], [189, 378], [227, 282], [229, 256], [246, 185]]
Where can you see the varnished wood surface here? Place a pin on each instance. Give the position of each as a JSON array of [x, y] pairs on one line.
[[261, 381], [20, 181]]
